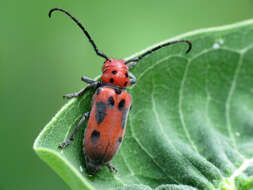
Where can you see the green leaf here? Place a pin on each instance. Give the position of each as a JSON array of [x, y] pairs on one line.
[[191, 126]]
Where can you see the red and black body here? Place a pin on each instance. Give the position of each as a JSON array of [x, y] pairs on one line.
[[107, 122], [110, 106], [106, 126]]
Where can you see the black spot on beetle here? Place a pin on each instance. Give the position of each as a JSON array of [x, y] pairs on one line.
[[120, 139], [125, 83], [126, 75], [111, 80], [124, 118], [114, 72], [117, 91], [100, 112], [95, 136], [121, 104], [98, 90], [111, 102]]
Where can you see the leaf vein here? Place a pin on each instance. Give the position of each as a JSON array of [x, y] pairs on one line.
[[146, 151], [181, 116], [228, 102]]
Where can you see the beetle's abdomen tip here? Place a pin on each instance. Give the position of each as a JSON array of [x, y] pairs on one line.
[[92, 167]]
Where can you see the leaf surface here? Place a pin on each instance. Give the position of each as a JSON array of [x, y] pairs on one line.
[[191, 125]]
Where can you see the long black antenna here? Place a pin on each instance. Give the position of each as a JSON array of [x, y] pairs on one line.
[[158, 47], [99, 53]]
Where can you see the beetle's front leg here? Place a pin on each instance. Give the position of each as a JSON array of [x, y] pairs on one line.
[[131, 65], [87, 80], [133, 78], [82, 92]]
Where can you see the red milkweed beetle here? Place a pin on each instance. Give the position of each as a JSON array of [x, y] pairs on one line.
[[110, 105]]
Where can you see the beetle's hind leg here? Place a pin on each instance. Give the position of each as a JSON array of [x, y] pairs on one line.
[[71, 138], [111, 168]]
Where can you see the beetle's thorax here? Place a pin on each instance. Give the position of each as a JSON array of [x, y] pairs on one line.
[[115, 72]]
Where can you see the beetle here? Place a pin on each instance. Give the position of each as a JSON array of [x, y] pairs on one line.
[[110, 106]]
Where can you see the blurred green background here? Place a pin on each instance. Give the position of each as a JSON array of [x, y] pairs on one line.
[[42, 59]]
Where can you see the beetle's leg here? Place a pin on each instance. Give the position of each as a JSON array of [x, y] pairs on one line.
[[133, 78], [80, 93], [131, 65], [111, 168], [71, 138], [87, 80]]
